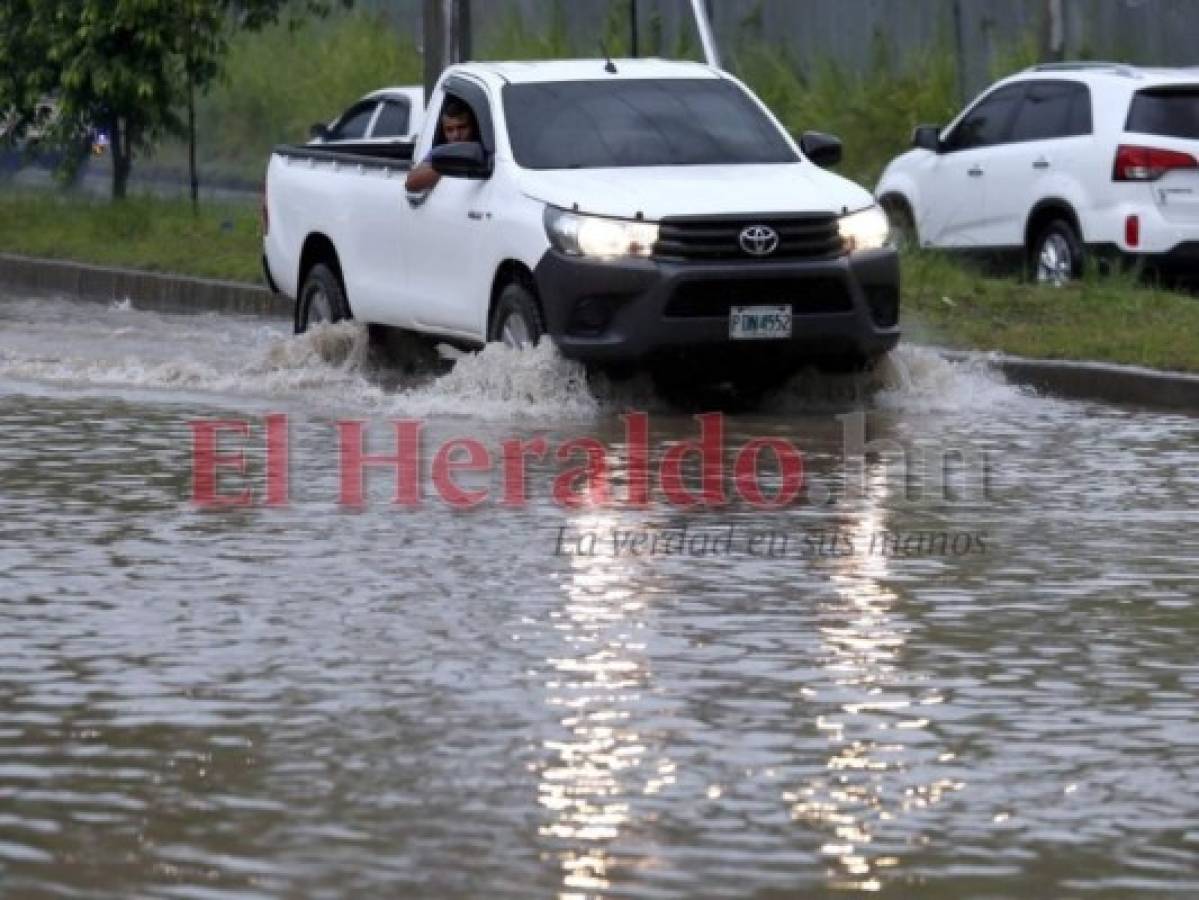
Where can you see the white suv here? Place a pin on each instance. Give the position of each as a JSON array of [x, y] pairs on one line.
[[1058, 161]]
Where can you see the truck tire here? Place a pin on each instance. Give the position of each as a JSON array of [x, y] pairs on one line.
[[1056, 255], [322, 300], [517, 321]]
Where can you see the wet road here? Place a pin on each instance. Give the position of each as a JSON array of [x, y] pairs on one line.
[[986, 687]]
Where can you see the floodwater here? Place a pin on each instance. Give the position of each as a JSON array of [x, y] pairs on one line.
[[981, 684]]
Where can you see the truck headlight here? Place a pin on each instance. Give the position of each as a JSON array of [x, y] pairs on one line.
[[578, 235], [868, 229]]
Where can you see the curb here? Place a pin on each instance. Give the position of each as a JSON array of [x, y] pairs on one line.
[[1096, 381], [147, 290]]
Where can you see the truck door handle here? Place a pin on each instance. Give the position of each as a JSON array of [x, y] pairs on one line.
[[1041, 164], [475, 216], [976, 172]]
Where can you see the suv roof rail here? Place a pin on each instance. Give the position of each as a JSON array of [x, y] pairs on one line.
[[1085, 66]]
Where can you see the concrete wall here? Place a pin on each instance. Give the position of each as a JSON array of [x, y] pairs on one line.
[[1163, 32]]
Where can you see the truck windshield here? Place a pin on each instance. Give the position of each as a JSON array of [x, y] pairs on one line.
[[630, 123]]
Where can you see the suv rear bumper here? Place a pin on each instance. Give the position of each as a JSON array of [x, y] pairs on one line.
[[1160, 238], [631, 310]]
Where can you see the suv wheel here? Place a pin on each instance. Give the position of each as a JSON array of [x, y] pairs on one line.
[[903, 223], [1056, 255]]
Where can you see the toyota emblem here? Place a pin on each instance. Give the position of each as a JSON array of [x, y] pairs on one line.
[[758, 240]]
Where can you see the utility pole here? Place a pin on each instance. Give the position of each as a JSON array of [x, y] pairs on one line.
[[447, 28], [636, 49], [464, 44]]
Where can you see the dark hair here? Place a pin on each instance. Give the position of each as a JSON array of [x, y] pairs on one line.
[[453, 108]]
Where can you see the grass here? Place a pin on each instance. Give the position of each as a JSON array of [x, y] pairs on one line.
[[143, 233], [1115, 318]]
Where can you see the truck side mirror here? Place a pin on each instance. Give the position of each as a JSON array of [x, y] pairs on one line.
[[927, 137], [319, 132], [823, 149], [466, 160]]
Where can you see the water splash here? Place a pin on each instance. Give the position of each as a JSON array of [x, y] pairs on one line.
[[348, 368], [922, 380]]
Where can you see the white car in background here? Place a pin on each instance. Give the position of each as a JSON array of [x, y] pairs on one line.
[[1057, 162], [393, 115]]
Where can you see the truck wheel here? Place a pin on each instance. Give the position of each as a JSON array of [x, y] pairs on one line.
[[517, 319], [1056, 255], [322, 300]]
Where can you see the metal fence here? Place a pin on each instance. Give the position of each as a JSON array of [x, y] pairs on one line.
[[1161, 32]]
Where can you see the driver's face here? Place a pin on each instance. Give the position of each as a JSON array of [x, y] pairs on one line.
[[457, 131]]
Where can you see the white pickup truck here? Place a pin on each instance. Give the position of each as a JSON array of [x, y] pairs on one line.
[[389, 116], [637, 212]]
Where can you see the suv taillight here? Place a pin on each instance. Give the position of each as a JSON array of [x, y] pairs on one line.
[[1149, 164]]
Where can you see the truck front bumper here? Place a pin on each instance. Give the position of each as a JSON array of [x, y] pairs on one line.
[[630, 311]]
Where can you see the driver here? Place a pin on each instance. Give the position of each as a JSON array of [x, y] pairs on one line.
[[457, 127]]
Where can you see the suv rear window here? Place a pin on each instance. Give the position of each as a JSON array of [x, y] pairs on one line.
[[1167, 112], [643, 122]]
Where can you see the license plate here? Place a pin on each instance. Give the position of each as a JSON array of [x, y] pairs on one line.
[[760, 323]]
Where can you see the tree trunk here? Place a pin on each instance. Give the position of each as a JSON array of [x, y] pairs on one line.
[[191, 140], [122, 158], [191, 108]]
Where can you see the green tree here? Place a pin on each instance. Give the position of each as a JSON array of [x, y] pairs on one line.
[[203, 32], [127, 66]]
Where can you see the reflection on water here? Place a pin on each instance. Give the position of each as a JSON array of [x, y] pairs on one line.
[[877, 734], [425, 703], [595, 690]]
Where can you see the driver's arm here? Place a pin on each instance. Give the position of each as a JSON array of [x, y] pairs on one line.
[[422, 178]]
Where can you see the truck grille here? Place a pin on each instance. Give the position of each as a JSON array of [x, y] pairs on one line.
[[812, 236], [715, 299]]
